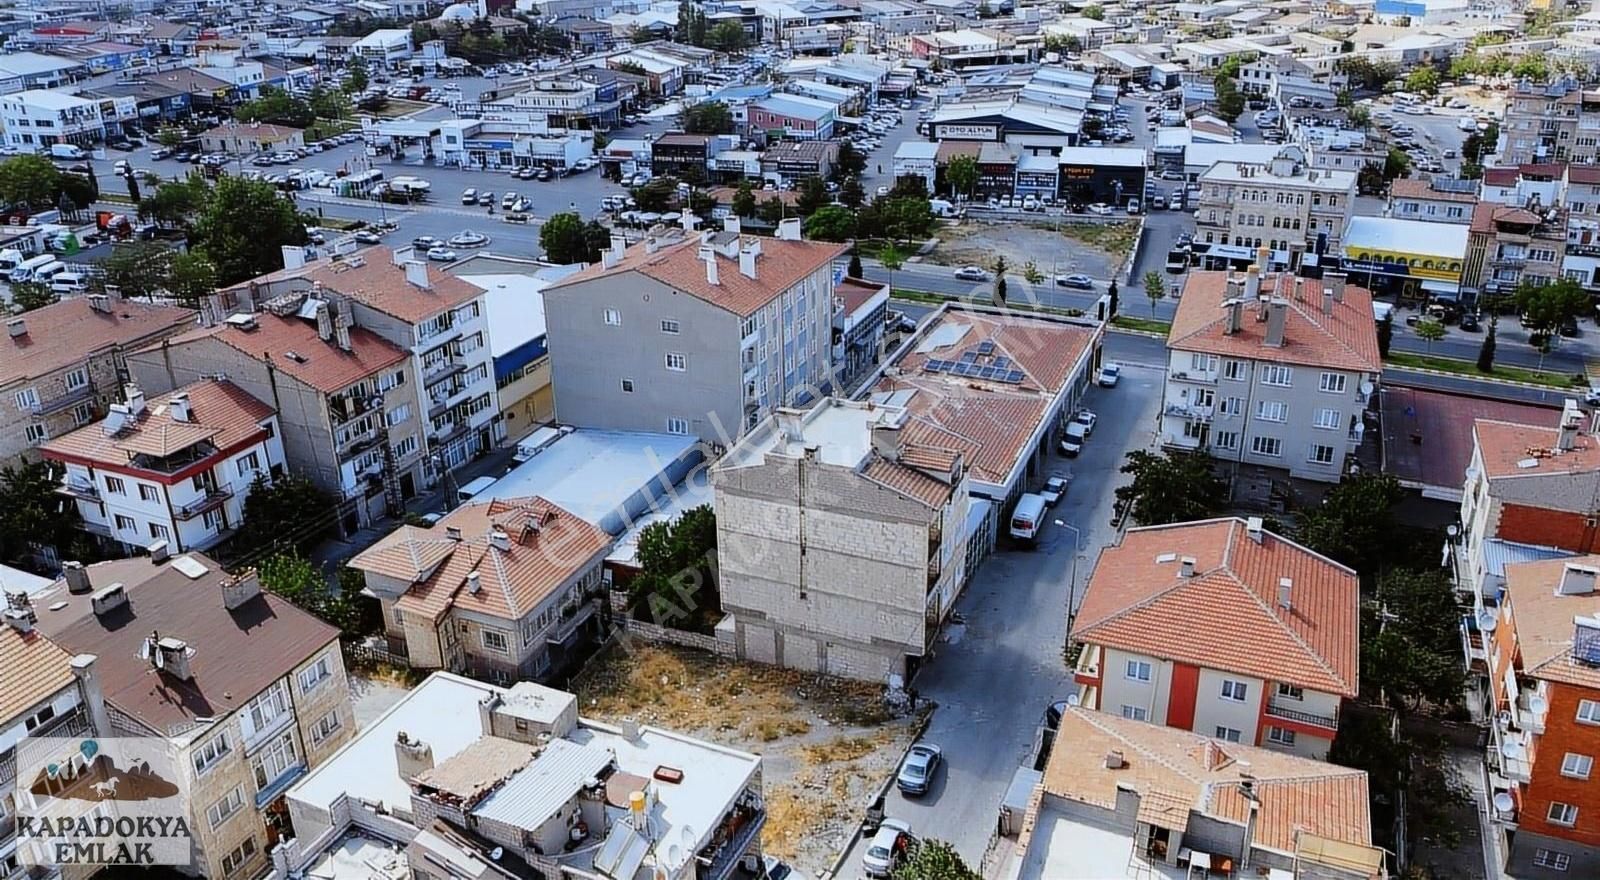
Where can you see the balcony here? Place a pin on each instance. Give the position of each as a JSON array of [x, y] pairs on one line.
[[449, 432], [82, 491], [1193, 377], [214, 497], [732, 840], [1509, 755], [1181, 441], [1287, 710], [8, 766], [280, 785], [438, 371], [69, 399], [344, 407], [1191, 412], [359, 441], [1510, 261], [1088, 669]]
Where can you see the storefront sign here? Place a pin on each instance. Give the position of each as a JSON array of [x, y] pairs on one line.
[[950, 131]]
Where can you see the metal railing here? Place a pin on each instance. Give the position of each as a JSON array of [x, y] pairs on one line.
[[1277, 709], [213, 498]]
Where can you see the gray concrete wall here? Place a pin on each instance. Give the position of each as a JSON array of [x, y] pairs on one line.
[[1585, 860]]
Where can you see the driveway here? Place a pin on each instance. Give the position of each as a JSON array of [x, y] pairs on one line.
[[993, 675]]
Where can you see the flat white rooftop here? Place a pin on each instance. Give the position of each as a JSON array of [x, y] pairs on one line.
[[360, 857], [1065, 848], [840, 431]]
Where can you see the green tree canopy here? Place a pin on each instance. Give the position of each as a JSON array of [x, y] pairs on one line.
[[831, 223], [290, 576], [1423, 80], [657, 194], [1354, 521], [813, 194], [676, 585], [32, 515], [355, 74], [1155, 289], [243, 228], [1094, 11], [565, 239], [851, 193], [30, 182], [29, 295], [728, 36], [287, 513], [278, 107], [1430, 331], [1411, 641], [962, 175], [191, 277], [1549, 306], [708, 117], [744, 200], [176, 203], [1396, 164], [1172, 487], [932, 859], [137, 269]]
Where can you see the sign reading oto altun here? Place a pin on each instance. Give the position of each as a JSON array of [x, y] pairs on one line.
[[101, 801]]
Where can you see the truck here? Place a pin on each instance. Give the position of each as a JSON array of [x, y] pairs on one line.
[[943, 208], [68, 151], [415, 187], [1072, 438]]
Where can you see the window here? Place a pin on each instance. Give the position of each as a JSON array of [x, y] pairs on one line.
[[613, 318], [627, 386], [1226, 439], [677, 361], [1333, 383], [38, 720], [1234, 690], [1277, 374], [1576, 766], [405, 448], [78, 378], [1228, 733], [1328, 419], [1137, 713], [325, 727], [1588, 712], [1138, 670], [1266, 446], [1290, 692], [1203, 363], [677, 426], [1272, 410], [248, 464], [260, 713], [232, 861], [210, 752], [27, 399], [159, 532], [1562, 814], [1280, 736], [37, 433], [399, 415], [1233, 370], [125, 523], [496, 641], [114, 486], [274, 760], [1232, 406], [223, 809], [669, 326], [1320, 454], [148, 493], [1545, 858], [315, 674]]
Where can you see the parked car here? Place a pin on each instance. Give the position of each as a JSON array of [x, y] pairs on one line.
[[1087, 419], [1470, 322], [971, 273], [1055, 488], [1110, 374], [1099, 208], [486, 199], [1077, 282], [918, 769], [887, 848]]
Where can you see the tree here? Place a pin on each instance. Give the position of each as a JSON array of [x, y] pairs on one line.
[[1423, 80], [728, 36], [772, 211], [1230, 103], [676, 584], [1403, 764], [174, 204], [812, 196], [1354, 521], [137, 269], [744, 200], [291, 577], [29, 182], [1031, 273], [32, 515], [355, 74], [169, 136], [932, 859], [851, 193], [708, 117], [1547, 308], [1000, 268], [1171, 487], [1346, 99], [1094, 11], [1396, 164], [1430, 332], [328, 103], [851, 162], [657, 194], [77, 190], [243, 228], [29, 295], [891, 259], [854, 269], [277, 107], [1385, 335], [288, 512], [1155, 289], [1411, 641], [962, 175], [901, 219], [133, 186], [831, 223], [1369, 75], [1370, 179], [191, 277], [1486, 351], [564, 240], [1359, 115]]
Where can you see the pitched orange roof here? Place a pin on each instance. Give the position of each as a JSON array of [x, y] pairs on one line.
[[31, 671], [67, 332], [1347, 339], [371, 277], [1227, 615], [220, 412], [1512, 450], [907, 481], [315, 362], [1543, 619]]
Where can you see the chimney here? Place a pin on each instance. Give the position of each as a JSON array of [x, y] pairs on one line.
[[710, 256], [748, 251], [1250, 823], [294, 256], [135, 399], [17, 327], [19, 619], [499, 540], [1263, 255], [179, 407], [1186, 567], [1252, 283], [1577, 580], [1327, 300], [412, 757], [417, 273], [341, 331], [651, 244], [886, 440], [1571, 423], [1277, 314], [324, 322], [108, 598], [789, 424], [403, 255], [174, 654], [619, 247], [160, 551], [99, 302], [1254, 527], [240, 589], [629, 729], [789, 229], [1235, 310], [1335, 281], [1285, 593], [86, 671], [1114, 760], [732, 224], [475, 581], [76, 576]]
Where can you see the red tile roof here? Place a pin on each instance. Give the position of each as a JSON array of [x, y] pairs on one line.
[[1511, 450], [370, 277], [1347, 339], [31, 671], [70, 331], [320, 364], [1418, 188], [852, 293], [220, 412], [1226, 616]]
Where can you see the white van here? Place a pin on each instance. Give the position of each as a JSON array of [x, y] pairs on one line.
[[25, 269], [473, 488], [1072, 439], [67, 151], [1027, 518], [69, 283], [10, 258], [47, 273]]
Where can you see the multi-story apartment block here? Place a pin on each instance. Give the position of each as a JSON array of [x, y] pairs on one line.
[[37, 118], [1277, 205], [1274, 373], [47, 693], [345, 398], [248, 690], [1508, 246], [841, 538], [62, 364], [1551, 122], [505, 589], [1276, 656], [176, 469], [1413, 198], [1542, 672], [436, 317], [702, 334]]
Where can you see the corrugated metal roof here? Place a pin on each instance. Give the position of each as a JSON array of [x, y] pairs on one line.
[[544, 786], [1498, 554]]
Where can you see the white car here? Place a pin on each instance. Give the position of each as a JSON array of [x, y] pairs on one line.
[[441, 254], [1109, 373], [882, 191], [1087, 418], [887, 847], [1100, 208], [972, 273], [1055, 489]]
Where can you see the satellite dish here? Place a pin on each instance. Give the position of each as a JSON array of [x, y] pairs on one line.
[[674, 854], [1537, 704], [496, 853], [1073, 700], [1487, 622], [1502, 802]]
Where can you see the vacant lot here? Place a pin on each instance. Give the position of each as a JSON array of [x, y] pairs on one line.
[[826, 744], [1095, 249]]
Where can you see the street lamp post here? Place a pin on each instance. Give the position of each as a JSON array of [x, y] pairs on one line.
[[1072, 581]]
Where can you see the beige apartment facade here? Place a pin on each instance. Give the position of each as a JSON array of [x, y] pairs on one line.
[[1284, 205]]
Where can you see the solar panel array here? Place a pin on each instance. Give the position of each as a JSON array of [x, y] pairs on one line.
[[973, 370]]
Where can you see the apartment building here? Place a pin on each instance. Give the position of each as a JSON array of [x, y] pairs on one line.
[[1543, 688], [504, 590], [1550, 122], [263, 685], [1277, 205], [841, 538], [1275, 659], [700, 334], [47, 693], [435, 317], [344, 398], [176, 469], [1508, 246], [38, 118], [61, 365], [1130, 799], [500, 782], [1274, 372], [1412, 198]]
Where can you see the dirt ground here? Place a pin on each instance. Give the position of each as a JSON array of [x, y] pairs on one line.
[[826, 744], [1097, 250]]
